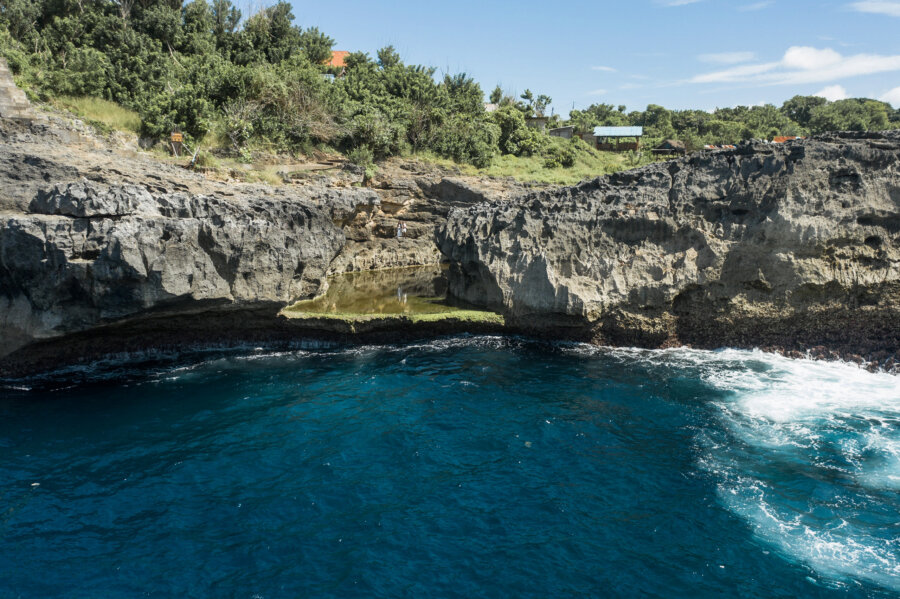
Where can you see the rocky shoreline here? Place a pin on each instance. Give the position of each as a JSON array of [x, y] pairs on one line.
[[792, 248]]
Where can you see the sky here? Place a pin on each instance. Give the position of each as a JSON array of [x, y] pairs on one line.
[[678, 53]]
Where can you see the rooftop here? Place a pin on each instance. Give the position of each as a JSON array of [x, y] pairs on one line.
[[618, 131], [338, 58]]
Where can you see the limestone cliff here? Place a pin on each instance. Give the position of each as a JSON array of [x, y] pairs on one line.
[[106, 249], [789, 246], [88, 254]]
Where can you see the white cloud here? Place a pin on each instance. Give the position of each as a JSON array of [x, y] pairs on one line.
[[604, 69], [736, 74], [804, 57], [727, 57], [892, 97], [597, 92], [878, 7], [804, 65], [833, 93], [756, 6]]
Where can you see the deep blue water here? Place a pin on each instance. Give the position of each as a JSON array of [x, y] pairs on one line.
[[467, 467]]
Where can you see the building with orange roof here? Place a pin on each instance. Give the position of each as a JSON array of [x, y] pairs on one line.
[[338, 59]]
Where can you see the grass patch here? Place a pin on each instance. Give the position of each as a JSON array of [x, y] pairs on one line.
[[589, 164], [207, 160], [457, 315], [270, 175], [102, 114], [473, 316]]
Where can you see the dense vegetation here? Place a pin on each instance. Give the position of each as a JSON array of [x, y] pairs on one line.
[[801, 115], [259, 83]]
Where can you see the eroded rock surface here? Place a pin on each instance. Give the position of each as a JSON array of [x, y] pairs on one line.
[[104, 248], [89, 254], [420, 197], [788, 246]]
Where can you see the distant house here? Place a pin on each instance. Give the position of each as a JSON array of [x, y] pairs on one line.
[[670, 147], [488, 107], [537, 122], [564, 132], [338, 59], [617, 139]]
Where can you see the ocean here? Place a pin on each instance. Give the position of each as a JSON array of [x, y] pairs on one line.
[[460, 467]]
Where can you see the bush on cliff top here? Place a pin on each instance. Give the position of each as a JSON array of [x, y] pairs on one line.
[[201, 66]]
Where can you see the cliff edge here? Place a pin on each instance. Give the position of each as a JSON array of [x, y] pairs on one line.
[[792, 246]]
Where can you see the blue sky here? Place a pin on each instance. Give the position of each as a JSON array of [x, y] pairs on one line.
[[678, 53]]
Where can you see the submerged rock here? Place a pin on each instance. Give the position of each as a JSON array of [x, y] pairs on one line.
[[787, 246]]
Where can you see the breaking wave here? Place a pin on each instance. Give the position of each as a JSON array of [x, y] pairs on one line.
[[808, 454]]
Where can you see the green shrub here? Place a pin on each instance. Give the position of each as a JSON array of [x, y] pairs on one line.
[[238, 122], [560, 156], [205, 159], [466, 140], [182, 109]]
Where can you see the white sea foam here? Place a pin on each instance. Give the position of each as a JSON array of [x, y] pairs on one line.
[[809, 455]]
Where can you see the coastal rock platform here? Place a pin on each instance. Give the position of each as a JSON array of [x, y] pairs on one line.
[[794, 247]]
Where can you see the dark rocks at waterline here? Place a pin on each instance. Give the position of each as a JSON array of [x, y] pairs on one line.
[[790, 246]]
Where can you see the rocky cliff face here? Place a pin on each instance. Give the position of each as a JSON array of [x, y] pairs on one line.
[[88, 254], [106, 249], [421, 198], [790, 245]]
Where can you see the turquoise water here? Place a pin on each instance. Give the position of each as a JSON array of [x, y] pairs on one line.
[[462, 467]]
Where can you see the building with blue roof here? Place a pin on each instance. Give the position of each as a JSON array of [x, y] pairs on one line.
[[618, 139]]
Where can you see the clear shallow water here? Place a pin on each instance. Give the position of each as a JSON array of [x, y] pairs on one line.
[[415, 290], [463, 467]]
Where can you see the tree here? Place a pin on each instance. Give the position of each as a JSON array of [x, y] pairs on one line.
[[226, 19], [496, 95], [388, 57], [541, 103], [356, 60], [528, 97], [516, 137], [465, 95], [269, 35], [855, 114], [316, 45], [799, 108]]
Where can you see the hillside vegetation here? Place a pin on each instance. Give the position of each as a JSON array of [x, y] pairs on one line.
[[245, 85]]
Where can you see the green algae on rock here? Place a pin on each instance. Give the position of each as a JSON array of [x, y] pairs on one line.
[[385, 299]]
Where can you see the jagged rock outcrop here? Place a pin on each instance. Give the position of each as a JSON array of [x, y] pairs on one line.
[[88, 255], [783, 245], [421, 199]]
